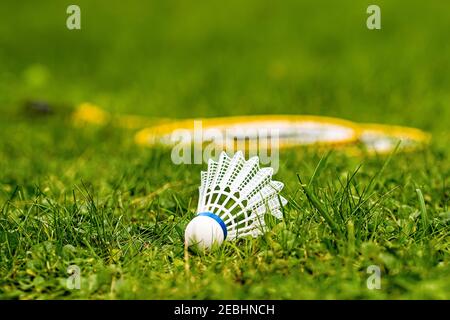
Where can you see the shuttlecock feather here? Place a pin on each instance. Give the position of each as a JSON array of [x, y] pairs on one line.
[[234, 196]]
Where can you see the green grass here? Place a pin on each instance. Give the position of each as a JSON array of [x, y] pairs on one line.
[[88, 196]]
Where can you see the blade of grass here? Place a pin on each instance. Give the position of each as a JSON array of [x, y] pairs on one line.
[[423, 212], [316, 204], [319, 168]]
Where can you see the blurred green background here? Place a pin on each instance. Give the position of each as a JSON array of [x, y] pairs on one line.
[[213, 58], [60, 183]]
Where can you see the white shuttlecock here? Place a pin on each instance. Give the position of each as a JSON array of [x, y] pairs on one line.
[[234, 196]]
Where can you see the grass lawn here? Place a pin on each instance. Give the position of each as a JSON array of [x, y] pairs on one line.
[[88, 196]]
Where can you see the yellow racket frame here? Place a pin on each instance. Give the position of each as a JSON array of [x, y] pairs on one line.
[[149, 136], [155, 128], [421, 138]]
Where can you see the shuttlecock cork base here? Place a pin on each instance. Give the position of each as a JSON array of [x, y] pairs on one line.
[[206, 230], [234, 196]]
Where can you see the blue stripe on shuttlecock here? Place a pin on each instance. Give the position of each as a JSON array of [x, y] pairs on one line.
[[218, 220]]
